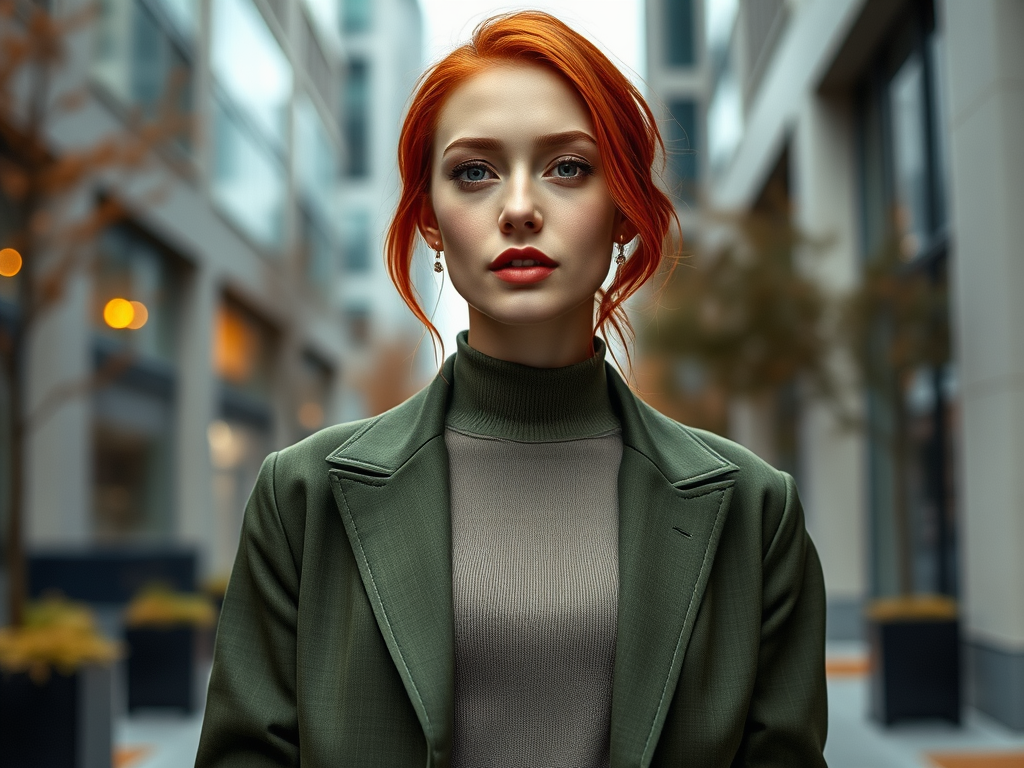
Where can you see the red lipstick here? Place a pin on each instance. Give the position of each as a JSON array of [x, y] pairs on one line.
[[522, 265]]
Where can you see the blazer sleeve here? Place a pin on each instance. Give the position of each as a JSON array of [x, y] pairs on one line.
[[788, 716], [250, 719]]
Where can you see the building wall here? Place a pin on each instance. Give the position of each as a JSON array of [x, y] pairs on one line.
[[808, 105], [217, 260], [986, 117]]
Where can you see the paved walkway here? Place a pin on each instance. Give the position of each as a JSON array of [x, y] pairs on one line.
[[169, 741]]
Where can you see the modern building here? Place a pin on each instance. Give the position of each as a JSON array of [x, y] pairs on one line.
[[383, 59], [251, 263], [893, 123]]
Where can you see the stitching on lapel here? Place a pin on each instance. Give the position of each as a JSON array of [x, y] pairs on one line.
[[686, 618], [383, 610]]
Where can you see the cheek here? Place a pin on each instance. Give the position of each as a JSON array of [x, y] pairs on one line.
[[460, 224]]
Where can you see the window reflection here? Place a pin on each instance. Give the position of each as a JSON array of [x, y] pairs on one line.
[[356, 103], [315, 158], [253, 87], [678, 33], [144, 48], [682, 149], [132, 267], [355, 240], [906, 94], [241, 435], [313, 388], [250, 66], [356, 15], [249, 180], [133, 415]]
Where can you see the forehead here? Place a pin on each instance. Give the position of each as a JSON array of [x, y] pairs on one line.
[[511, 101]]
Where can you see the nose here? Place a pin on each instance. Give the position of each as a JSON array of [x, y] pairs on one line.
[[519, 209]]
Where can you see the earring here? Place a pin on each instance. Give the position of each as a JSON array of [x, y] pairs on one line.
[[620, 257], [438, 266]]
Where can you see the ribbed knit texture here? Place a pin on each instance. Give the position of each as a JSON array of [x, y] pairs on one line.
[[534, 562]]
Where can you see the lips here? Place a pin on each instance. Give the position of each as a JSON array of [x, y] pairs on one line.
[[522, 265]]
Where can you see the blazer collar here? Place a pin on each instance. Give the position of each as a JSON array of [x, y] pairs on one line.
[[390, 484]]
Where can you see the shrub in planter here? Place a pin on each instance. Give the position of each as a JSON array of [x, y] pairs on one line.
[[915, 659], [55, 689], [166, 633]]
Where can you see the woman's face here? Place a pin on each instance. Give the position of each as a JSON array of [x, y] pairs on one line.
[[518, 199]]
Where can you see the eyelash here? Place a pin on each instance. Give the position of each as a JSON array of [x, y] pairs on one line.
[[586, 169]]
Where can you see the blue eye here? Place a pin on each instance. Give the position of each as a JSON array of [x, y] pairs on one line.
[[572, 169], [471, 174]]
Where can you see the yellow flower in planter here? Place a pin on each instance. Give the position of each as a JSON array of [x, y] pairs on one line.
[[158, 606], [58, 634]]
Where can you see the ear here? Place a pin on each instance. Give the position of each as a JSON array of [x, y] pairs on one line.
[[427, 224], [623, 230]]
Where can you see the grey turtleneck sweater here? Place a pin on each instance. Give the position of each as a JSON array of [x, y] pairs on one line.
[[534, 456]]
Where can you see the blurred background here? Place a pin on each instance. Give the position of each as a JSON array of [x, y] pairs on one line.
[[193, 198]]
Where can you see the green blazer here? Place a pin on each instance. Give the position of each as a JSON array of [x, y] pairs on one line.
[[335, 644]]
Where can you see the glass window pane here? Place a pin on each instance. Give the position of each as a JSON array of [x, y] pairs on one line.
[[132, 445], [142, 54], [313, 385], [725, 120], [682, 149], [356, 105], [318, 251], [130, 267], [940, 112], [248, 180], [315, 157], [909, 143], [679, 37], [356, 15], [242, 351], [250, 66], [355, 240]]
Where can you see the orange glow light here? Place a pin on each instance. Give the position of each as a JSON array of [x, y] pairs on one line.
[[139, 317], [118, 313], [10, 262]]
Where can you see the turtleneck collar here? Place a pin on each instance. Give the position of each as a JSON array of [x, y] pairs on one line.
[[496, 398]]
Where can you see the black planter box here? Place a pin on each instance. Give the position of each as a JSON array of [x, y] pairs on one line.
[[915, 670], [65, 721], [162, 667]]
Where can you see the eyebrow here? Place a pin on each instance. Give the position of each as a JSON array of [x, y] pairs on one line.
[[546, 141]]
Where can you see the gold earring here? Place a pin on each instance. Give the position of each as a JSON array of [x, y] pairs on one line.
[[620, 258], [438, 266]]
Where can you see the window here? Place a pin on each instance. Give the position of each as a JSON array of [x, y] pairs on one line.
[[355, 240], [144, 48], [241, 436], [313, 389], [356, 15], [679, 33], [316, 160], [902, 166], [356, 122], [318, 250], [682, 149], [725, 108], [133, 412], [133, 267], [252, 90]]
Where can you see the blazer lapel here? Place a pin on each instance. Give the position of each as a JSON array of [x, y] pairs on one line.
[[390, 482], [674, 494]]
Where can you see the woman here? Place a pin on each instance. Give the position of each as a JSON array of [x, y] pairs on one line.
[[523, 565]]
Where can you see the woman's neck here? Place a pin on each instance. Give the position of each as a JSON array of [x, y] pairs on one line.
[[556, 343]]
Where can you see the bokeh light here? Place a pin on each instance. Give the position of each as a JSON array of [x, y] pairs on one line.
[[140, 316], [118, 313], [10, 262]]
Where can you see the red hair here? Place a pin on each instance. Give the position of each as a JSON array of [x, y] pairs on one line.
[[627, 136]]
